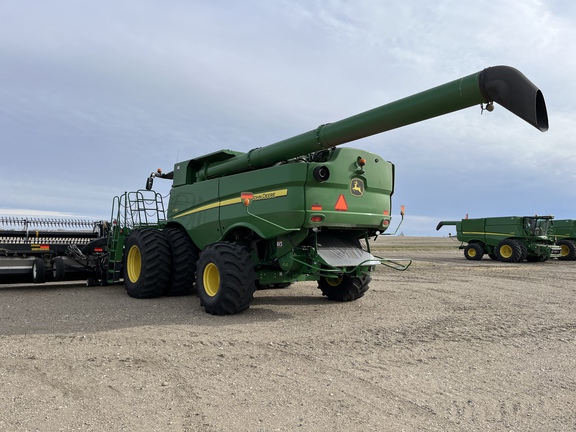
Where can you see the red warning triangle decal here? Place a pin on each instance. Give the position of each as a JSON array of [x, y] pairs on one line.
[[341, 204]]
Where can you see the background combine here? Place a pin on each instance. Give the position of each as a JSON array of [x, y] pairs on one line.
[[507, 239], [299, 209]]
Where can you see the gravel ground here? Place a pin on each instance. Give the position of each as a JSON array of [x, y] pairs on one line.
[[447, 345]]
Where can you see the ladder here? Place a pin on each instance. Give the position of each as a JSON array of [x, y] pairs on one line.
[[131, 210]]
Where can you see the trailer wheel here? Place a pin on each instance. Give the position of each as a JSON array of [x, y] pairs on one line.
[[345, 288], [509, 250], [184, 258], [58, 269], [147, 264], [38, 271], [225, 278], [474, 251], [568, 251]]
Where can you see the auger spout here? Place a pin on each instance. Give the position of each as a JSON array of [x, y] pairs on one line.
[[501, 84]]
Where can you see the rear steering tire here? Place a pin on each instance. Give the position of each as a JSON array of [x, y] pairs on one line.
[[147, 264], [225, 278], [344, 288], [474, 251]]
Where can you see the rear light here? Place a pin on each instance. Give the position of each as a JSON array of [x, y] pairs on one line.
[[316, 219], [385, 223]]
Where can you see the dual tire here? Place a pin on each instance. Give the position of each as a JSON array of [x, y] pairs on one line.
[[510, 250], [146, 264], [166, 262], [159, 263]]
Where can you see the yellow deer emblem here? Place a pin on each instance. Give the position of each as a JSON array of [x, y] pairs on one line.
[[357, 187]]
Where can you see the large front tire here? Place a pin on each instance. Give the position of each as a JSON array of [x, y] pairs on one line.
[[509, 250], [344, 288], [225, 278], [146, 264], [568, 250]]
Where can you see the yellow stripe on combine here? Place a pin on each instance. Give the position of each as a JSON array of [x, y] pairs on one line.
[[486, 233], [257, 197]]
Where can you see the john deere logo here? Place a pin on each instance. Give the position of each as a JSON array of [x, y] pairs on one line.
[[357, 187]]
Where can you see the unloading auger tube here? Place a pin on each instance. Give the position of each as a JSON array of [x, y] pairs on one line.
[[504, 85]]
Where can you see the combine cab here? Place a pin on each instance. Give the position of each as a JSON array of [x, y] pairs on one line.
[[507, 239]]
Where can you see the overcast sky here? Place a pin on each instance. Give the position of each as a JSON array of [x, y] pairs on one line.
[[95, 95]]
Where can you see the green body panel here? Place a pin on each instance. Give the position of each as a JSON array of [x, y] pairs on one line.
[[534, 232], [367, 195], [197, 208], [564, 229]]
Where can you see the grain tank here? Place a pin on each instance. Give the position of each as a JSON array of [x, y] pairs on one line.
[[296, 210]]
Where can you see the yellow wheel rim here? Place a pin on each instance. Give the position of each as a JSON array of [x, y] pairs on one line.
[[211, 279], [134, 264], [471, 252], [564, 251], [506, 251], [334, 282]]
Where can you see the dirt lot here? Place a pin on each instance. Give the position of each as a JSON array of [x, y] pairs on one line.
[[447, 345]]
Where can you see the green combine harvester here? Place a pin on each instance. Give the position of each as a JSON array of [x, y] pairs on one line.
[[302, 209], [507, 239], [565, 234]]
